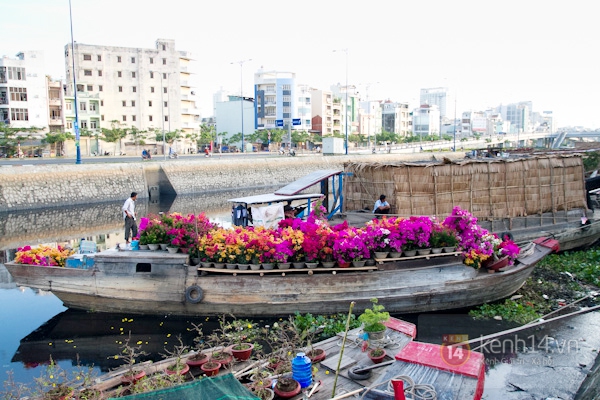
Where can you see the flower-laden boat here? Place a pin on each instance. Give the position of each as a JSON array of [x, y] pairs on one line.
[[159, 282]]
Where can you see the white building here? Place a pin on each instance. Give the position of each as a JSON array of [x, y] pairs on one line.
[[346, 100], [142, 88], [24, 91], [396, 118], [435, 96], [229, 121], [370, 122], [426, 121]]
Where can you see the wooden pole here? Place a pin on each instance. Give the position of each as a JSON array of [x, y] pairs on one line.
[[337, 370]]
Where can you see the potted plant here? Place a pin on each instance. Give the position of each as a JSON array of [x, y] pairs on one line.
[[178, 367], [443, 238], [61, 391], [211, 368], [373, 319], [130, 354], [287, 387], [376, 354], [242, 333]]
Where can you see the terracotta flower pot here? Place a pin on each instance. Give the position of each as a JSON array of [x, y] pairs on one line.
[[287, 391], [182, 370], [495, 265], [376, 359], [343, 264], [197, 359], [222, 358], [316, 355], [211, 368], [243, 353], [132, 377]]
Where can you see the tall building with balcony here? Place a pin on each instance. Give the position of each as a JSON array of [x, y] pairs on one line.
[[148, 89], [23, 91], [396, 118], [435, 96], [56, 101], [322, 112], [347, 101]]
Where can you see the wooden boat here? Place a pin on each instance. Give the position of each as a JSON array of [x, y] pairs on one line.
[[526, 196], [155, 282]]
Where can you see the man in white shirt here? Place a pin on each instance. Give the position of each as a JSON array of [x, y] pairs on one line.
[[129, 216], [381, 206]]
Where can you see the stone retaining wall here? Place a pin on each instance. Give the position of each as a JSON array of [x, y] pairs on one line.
[[39, 186]]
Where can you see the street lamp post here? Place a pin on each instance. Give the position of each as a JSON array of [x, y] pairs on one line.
[[76, 125], [242, 94], [346, 110]]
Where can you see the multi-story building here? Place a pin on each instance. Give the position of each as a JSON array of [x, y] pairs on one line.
[[369, 120], [322, 112], [23, 91], [396, 118], [518, 114], [345, 99], [426, 120], [56, 101], [148, 89], [435, 96]]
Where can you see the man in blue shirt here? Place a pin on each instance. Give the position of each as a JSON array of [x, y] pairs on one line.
[[381, 206]]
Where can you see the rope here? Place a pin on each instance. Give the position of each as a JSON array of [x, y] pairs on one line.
[[412, 391], [357, 341], [527, 250]]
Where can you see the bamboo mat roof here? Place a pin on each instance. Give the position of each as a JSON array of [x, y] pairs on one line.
[[489, 188]]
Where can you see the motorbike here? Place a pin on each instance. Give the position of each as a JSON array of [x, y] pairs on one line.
[[173, 155]]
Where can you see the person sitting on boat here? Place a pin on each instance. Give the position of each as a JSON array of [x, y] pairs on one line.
[[289, 212], [381, 206]]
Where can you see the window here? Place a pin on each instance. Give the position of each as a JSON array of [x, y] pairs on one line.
[[19, 114], [87, 72], [68, 106], [93, 124], [124, 118], [80, 88], [118, 58], [150, 103], [119, 74], [18, 94], [83, 106], [151, 75], [164, 47], [83, 124], [133, 74], [164, 75], [150, 118], [151, 60], [99, 88], [102, 118], [69, 124], [133, 118], [133, 60], [166, 118], [87, 57], [93, 106], [124, 103], [134, 89], [120, 88], [164, 90], [16, 73], [165, 104], [99, 57], [101, 103], [100, 72], [164, 61], [132, 103], [151, 89], [90, 88]]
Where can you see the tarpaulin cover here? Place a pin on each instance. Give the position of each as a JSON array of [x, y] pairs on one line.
[[220, 387]]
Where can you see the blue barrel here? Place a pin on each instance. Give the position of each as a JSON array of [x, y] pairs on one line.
[[302, 370], [135, 245]]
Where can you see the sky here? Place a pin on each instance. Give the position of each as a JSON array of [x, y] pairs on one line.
[[487, 53]]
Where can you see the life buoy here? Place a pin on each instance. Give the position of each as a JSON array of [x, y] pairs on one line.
[[194, 294], [505, 235]]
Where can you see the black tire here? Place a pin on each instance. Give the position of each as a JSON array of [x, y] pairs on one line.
[[358, 376], [194, 294]]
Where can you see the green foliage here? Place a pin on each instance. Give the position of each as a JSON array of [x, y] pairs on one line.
[[591, 161], [584, 265], [374, 317], [115, 133], [509, 310]]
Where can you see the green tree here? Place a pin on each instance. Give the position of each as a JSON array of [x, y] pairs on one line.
[[137, 135], [114, 134], [58, 140], [9, 139]]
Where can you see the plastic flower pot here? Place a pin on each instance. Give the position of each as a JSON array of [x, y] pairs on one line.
[[244, 351], [211, 368]]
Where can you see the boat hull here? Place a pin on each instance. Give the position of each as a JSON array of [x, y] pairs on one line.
[[147, 283]]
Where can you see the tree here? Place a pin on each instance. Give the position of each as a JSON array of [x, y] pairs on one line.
[[114, 134], [9, 139], [137, 135], [58, 140]]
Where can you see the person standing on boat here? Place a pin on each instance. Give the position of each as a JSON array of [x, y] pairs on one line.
[[129, 215], [381, 206]]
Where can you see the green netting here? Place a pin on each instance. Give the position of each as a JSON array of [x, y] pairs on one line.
[[220, 387]]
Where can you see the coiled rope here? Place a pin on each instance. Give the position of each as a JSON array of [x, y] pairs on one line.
[[412, 391]]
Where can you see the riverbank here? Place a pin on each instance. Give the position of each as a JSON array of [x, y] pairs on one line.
[[36, 186]]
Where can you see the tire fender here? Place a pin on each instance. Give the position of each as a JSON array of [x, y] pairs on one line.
[[194, 294]]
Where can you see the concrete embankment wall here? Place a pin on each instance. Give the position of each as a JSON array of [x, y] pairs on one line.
[[38, 186]]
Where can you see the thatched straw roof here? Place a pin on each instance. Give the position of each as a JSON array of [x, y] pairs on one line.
[[488, 188]]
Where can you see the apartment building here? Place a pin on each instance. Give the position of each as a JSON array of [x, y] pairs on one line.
[[148, 89], [396, 118], [435, 96], [426, 120], [277, 98], [345, 99], [23, 91], [56, 101], [322, 112], [370, 119]]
